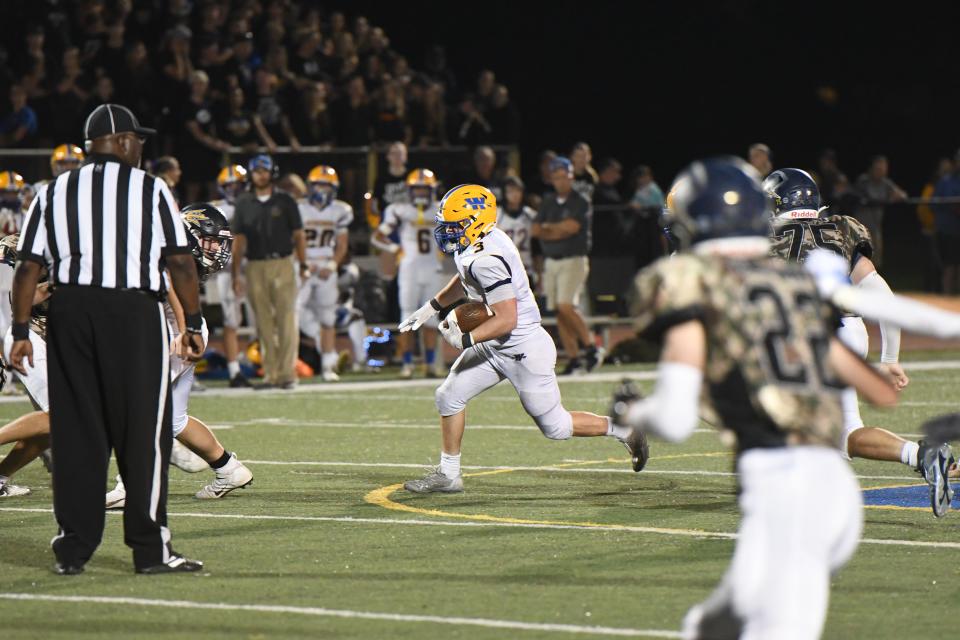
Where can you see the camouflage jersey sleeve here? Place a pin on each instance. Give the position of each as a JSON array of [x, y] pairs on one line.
[[669, 292], [856, 238]]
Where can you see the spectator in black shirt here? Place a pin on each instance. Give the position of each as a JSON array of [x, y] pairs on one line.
[[208, 61], [503, 117], [827, 174], [430, 127], [199, 148], [272, 110], [136, 83], [242, 128], [352, 115], [474, 128], [389, 124], [305, 64], [175, 64], [103, 93], [486, 85], [584, 175], [69, 97], [167, 168], [110, 58], [542, 184], [608, 220], [485, 172], [245, 61], [311, 120]]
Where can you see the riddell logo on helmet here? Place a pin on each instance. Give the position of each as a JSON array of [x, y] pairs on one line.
[[477, 203]]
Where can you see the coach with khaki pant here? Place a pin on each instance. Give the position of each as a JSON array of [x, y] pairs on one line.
[[267, 229], [563, 227]]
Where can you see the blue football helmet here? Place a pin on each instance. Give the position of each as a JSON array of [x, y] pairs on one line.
[[793, 191], [717, 198]]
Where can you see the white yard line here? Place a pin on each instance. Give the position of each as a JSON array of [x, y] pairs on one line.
[[489, 623], [608, 375], [687, 533]]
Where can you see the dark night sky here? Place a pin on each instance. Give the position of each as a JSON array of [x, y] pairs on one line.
[[665, 82]]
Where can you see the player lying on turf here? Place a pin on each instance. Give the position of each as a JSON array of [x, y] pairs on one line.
[[799, 228], [748, 340], [509, 345], [210, 240]]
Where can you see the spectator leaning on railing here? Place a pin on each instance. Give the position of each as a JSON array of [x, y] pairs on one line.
[[563, 227], [876, 191]]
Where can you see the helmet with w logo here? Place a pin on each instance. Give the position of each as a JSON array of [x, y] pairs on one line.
[[466, 214]]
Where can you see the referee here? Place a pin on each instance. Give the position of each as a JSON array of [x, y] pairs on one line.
[[106, 231]]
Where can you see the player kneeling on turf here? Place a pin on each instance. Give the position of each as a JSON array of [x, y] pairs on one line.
[[510, 344], [210, 242], [211, 249], [754, 334]]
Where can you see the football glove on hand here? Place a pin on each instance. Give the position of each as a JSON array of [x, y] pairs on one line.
[[451, 332], [419, 316], [623, 398]]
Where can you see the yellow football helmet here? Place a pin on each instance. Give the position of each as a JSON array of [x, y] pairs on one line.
[[11, 187], [64, 158], [319, 177], [422, 184], [466, 214], [230, 181]]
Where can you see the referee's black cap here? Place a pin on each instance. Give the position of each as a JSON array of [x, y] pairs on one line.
[[108, 119]]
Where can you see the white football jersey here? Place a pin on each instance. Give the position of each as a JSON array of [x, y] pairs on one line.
[[323, 226], [491, 271], [518, 229], [416, 227]]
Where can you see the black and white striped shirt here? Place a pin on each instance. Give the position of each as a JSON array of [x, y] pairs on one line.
[[106, 225]]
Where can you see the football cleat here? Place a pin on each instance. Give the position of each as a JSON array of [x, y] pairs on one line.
[[406, 372], [176, 564], [639, 450], [233, 475], [594, 358], [330, 376], [117, 498], [934, 464], [574, 368], [186, 460], [435, 482], [13, 491], [240, 381]]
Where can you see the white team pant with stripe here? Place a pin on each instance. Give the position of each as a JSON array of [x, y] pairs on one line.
[[802, 515]]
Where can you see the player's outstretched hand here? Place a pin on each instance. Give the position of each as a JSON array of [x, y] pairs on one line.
[[896, 374], [451, 332], [21, 349], [417, 318]]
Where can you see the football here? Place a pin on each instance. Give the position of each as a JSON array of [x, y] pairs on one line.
[[471, 315]]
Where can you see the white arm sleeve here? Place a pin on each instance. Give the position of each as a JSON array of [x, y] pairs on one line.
[[671, 411], [889, 333]]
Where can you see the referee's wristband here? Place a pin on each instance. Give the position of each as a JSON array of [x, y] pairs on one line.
[[467, 340], [194, 322], [20, 330]]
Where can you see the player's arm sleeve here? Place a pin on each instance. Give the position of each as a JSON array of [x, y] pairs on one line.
[[173, 240], [493, 274], [345, 219], [858, 238], [390, 221], [668, 293], [671, 410], [889, 333], [33, 239]]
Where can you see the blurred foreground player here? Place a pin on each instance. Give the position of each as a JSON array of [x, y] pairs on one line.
[[754, 332], [511, 345]]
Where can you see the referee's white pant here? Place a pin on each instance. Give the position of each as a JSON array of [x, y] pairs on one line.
[[802, 517], [109, 377]]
